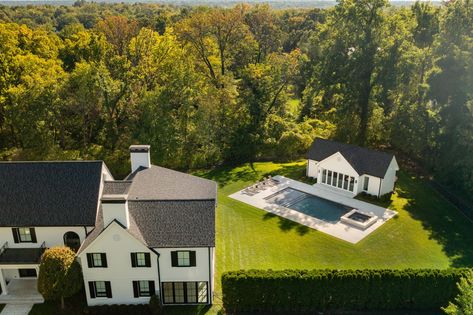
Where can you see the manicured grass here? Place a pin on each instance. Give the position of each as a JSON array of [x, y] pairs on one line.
[[427, 233]]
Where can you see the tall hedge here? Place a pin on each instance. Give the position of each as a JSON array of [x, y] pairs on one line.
[[320, 290]]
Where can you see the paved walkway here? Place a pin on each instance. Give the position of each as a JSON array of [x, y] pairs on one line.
[[16, 309], [339, 230]]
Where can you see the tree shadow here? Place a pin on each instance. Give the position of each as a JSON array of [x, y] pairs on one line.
[[227, 174], [287, 225], [292, 171], [445, 223]]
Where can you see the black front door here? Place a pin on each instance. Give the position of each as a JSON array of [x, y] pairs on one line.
[[27, 273]]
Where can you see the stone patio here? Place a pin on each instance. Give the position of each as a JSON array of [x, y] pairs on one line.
[[339, 230], [22, 291]]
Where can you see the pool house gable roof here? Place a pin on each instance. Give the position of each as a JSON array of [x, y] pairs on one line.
[[363, 160], [337, 162]]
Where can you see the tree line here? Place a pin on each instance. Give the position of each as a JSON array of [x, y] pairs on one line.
[[205, 86]]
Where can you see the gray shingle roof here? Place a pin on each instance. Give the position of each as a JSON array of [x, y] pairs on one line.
[[363, 160], [166, 208], [49, 193], [159, 183], [174, 223], [117, 187]]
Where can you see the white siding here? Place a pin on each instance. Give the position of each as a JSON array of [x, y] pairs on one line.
[[118, 244], [336, 162], [52, 236], [10, 274], [312, 168], [373, 184], [203, 270], [389, 180]]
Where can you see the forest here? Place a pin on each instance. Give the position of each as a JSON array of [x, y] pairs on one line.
[[208, 86]]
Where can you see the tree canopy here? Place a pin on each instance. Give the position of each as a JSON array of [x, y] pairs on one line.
[[206, 86]]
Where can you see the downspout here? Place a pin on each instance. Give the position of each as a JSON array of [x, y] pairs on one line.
[[379, 190], [210, 292], [159, 283]]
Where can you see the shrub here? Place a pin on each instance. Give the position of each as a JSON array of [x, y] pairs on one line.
[[60, 275], [348, 290], [155, 305], [463, 304], [118, 309]]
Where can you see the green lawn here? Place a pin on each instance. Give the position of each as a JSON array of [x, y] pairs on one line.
[[427, 233]]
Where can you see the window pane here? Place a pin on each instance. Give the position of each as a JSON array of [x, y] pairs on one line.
[[340, 180], [334, 182], [324, 176], [191, 292], [202, 292], [179, 292], [352, 183], [100, 290], [144, 288], [97, 260], [329, 180], [366, 183], [25, 235], [183, 259], [140, 259], [168, 294], [345, 182]]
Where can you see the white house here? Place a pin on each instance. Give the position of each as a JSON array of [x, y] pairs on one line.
[[151, 233], [351, 168]]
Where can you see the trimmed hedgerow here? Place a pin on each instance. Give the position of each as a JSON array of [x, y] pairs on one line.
[[321, 290]]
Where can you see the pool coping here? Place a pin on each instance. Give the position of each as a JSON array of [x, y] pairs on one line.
[[339, 230]]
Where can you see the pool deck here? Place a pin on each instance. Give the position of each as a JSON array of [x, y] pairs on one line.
[[339, 230]]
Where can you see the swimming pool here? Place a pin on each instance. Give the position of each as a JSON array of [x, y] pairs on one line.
[[314, 206]]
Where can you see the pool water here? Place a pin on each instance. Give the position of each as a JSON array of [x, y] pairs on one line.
[[360, 217], [308, 204]]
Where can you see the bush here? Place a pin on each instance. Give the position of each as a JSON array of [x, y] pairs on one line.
[[60, 275], [383, 198], [155, 305], [118, 309], [347, 290]]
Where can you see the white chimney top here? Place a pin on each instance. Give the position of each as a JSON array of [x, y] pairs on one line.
[[139, 156]]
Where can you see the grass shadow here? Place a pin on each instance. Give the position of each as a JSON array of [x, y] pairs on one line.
[[297, 172], [228, 174], [287, 225], [445, 223]]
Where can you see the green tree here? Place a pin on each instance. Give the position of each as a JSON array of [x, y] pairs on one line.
[[345, 54], [60, 275], [463, 304], [451, 90]]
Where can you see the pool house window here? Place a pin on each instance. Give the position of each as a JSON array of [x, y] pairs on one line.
[[338, 180]]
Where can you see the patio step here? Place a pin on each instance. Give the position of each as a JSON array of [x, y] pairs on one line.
[[7, 299]]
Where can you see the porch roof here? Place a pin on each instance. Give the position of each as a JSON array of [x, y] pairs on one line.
[[14, 256]]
